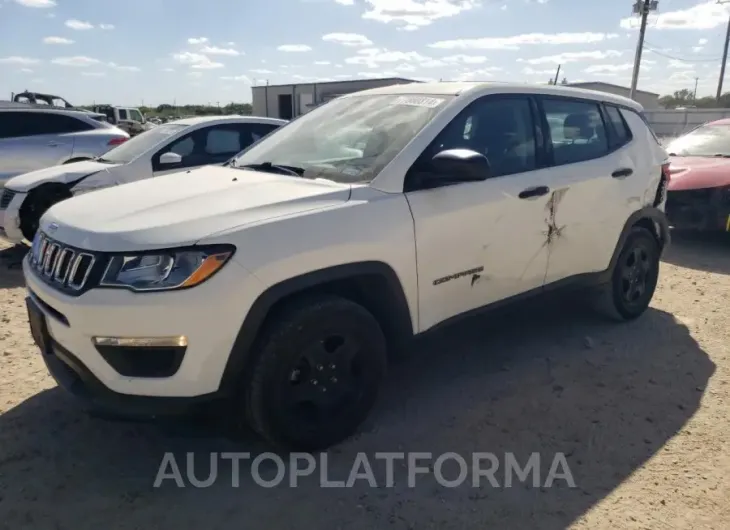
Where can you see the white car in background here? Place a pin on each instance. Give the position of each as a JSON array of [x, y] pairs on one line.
[[167, 148]]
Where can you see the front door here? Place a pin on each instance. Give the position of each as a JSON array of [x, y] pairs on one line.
[[481, 242]]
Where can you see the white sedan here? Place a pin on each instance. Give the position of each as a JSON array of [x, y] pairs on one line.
[[168, 148]]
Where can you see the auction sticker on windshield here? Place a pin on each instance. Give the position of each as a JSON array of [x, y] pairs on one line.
[[418, 101]]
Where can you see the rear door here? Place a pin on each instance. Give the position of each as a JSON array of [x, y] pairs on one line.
[[35, 140], [590, 185]]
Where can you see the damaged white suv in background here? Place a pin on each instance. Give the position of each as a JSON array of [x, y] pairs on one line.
[[170, 148], [275, 288]]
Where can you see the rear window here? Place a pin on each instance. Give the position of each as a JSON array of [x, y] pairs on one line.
[[648, 125], [620, 132]]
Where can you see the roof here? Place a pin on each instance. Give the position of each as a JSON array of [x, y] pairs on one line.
[[29, 107], [344, 82], [456, 88], [231, 118], [592, 83]]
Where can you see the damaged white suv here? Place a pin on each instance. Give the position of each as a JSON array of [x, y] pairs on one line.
[[276, 287]]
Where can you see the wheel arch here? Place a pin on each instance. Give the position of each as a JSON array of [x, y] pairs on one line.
[[372, 284], [651, 218]]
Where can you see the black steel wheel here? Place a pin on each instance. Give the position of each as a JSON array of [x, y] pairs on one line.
[[318, 369]]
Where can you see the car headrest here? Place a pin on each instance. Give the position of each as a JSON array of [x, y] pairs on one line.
[[577, 127]]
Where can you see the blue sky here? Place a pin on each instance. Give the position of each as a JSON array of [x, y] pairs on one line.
[[156, 51]]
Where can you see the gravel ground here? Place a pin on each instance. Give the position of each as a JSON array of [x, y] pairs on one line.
[[640, 411]]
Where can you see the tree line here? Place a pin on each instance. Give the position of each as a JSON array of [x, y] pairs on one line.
[[166, 110], [686, 98]]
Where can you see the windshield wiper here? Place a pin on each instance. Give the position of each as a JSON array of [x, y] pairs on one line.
[[270, 167]]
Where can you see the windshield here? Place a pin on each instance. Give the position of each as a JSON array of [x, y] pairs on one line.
[[348, 139], [141, 143], [707, 140]]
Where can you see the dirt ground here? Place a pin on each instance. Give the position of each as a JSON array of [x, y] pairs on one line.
[[640, 410]]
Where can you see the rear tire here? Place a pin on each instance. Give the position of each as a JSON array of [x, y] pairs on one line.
[[316, 374], [634, 278], [36, 204]]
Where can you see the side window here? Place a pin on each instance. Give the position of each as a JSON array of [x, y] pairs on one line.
[[576, 129], [135, 115], [253, 132], [183, 147], [222, 141], [620, 132], [123, 114], [502, 129], [9, 124]]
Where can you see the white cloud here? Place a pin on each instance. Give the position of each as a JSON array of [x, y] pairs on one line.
[[242, 78], [78, 24], [514, 42], [14, 59], [195, 74], [570, 57], [168, 69], [347, 39], [697, 49], [373, 57], [706, 15], [476, 75], [610, 68], [93, 74], [261, 71], [213, 50], [294, 48], [196, 60], [465, 59], [417, 13], [106, 26], [26, 70], [57, 40], [531, 71], [76, 61], [197, 40], [504, 7], [346, 2], [230, 43], [322, 63], [37, 3], [702, 42], [409, 27], [115, 66]]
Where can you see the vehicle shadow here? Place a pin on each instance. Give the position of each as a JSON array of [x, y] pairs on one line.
[[541, 378], [11, 259], [709, 252]]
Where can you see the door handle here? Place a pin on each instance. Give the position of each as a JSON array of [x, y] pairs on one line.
[[621, 173], [537, 191]]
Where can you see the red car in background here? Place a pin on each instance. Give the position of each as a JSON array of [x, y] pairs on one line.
[[698, 195]]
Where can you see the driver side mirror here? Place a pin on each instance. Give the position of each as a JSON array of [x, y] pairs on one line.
[[170, 158], [460, 165]]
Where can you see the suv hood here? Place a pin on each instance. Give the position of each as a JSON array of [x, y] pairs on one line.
[[697, 172], [182, 208], [65, 174]]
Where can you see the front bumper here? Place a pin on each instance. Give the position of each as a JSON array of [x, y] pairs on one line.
[[10, 216], [702, 209], [209, 315]]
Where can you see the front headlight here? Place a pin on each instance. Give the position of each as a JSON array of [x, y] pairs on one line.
[[165, 270]]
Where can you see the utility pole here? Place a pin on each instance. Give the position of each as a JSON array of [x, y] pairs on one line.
[[724, 55], [555, 82], [694, 97], [643, 8]]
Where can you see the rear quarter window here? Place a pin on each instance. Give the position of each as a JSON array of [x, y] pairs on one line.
[[643, 118]]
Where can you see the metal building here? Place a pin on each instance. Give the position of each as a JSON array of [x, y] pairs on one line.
[[289, 101], [649, 100]]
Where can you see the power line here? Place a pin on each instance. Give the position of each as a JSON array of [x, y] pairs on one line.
[[648, 48]]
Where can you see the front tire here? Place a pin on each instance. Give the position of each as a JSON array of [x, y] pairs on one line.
[[634, 278], [317, 372]]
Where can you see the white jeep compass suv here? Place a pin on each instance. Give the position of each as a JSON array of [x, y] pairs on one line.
[[280, 283]]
